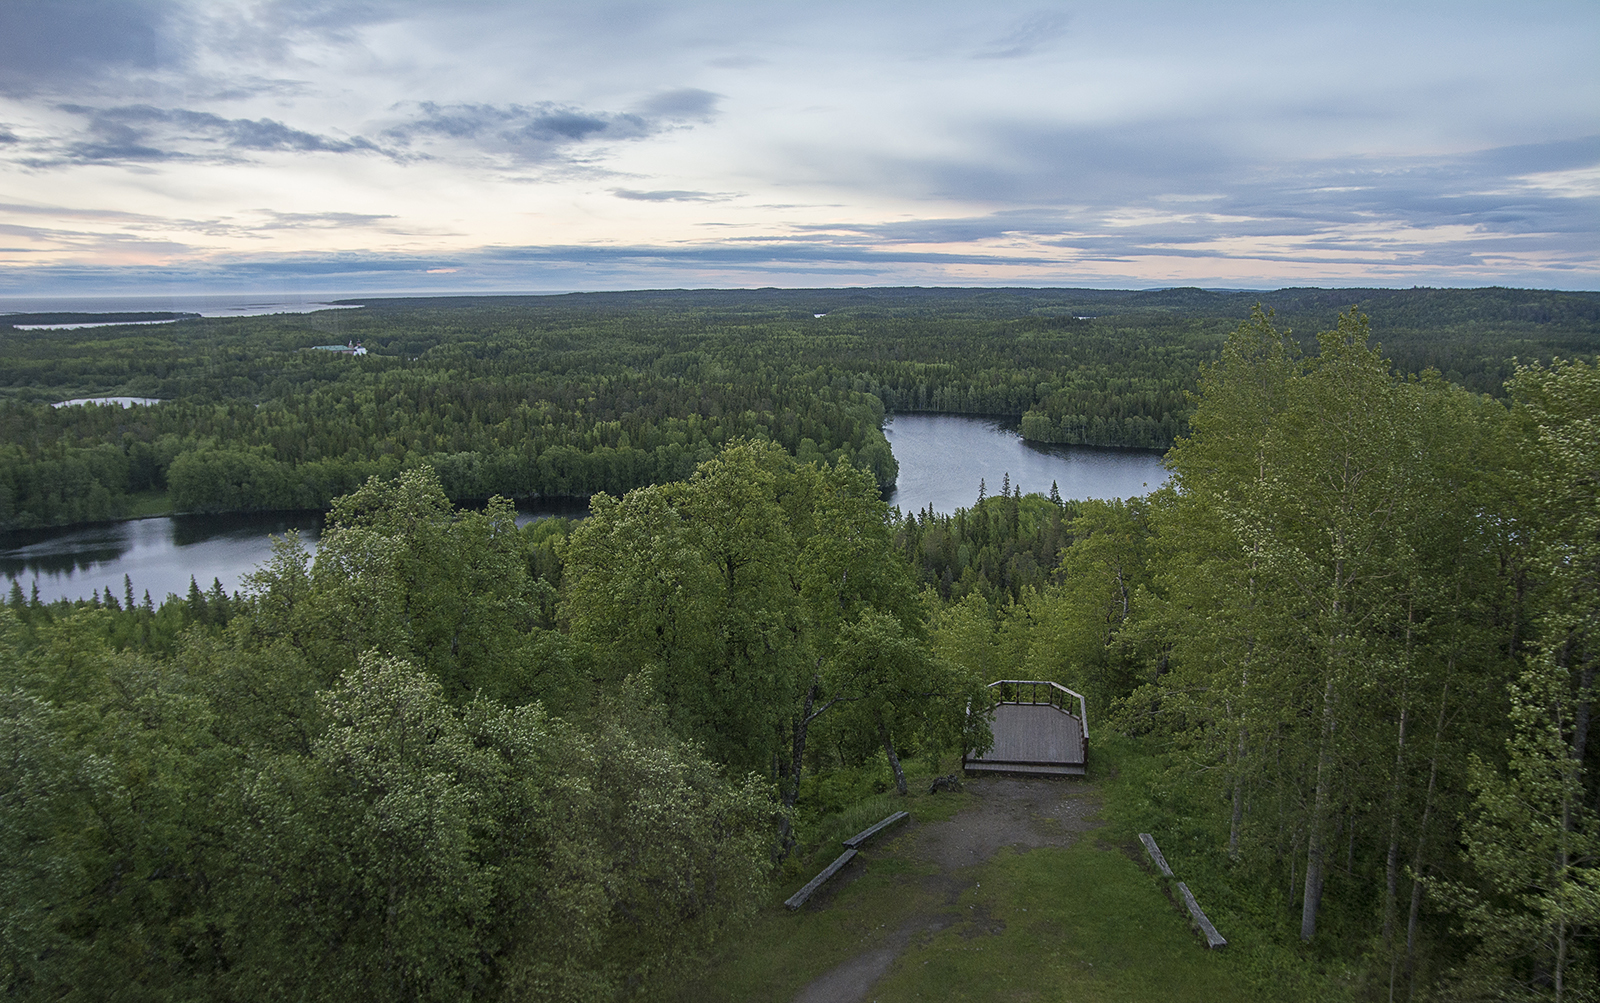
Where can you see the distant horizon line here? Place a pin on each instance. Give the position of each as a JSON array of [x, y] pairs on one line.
[[337, 298]]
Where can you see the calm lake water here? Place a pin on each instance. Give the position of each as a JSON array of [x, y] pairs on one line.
[[942, 459], [158, 554]]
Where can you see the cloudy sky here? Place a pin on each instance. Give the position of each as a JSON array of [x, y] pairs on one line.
[[313, 147]]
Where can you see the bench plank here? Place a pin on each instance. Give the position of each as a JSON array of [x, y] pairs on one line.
[[855, 841], [798, 899], [1151, 848], [1214, 939]]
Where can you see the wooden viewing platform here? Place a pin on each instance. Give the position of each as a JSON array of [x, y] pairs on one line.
[[1034, 731]]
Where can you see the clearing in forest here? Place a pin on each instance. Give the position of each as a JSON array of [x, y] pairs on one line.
[[1009, 896]]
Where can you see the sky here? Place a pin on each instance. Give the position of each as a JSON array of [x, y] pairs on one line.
[[320, 147]]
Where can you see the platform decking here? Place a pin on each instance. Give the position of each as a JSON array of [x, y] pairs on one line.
[[1033, 734]]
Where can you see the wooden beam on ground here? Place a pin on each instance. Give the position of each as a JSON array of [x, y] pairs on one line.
[[1151, 848], [798, 899], [854, 842], [1214, 939]]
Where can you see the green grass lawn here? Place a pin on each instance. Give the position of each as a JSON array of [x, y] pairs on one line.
[[1089, 922], [783, 951], [1082, 924], [148, 503]]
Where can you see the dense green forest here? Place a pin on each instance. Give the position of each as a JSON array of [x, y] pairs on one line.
[[414, 769], [567, 395], [1361, 625], [451, 758]]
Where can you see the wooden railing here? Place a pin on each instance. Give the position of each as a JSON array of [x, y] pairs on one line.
[[1039, 691]]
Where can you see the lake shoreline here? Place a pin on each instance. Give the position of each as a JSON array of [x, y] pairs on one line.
[[945, 461], [1014, 424], [948, 460]]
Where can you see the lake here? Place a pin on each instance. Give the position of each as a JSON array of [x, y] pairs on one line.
[[158, 554], [942, 460]]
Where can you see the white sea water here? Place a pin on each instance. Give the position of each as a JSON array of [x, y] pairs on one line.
[[237, 305]]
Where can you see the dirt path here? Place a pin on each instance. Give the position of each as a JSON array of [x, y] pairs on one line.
[[1023, 813]]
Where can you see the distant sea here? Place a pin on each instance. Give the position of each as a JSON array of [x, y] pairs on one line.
[[239, 305]]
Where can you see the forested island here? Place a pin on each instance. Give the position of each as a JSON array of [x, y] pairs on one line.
[[1343, 664]]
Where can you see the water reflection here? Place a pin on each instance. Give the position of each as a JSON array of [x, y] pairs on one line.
[[547, 508], [78, 550], [943, 458], [159, 555]]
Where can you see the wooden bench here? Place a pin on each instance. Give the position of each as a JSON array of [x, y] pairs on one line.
[[1214, 939], [853, 844], [798, 899]]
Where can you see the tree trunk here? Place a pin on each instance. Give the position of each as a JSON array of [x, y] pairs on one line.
[[1391, 887], [1392, 864], [894, 760], [1580, 738], [1580, 730], [1237, 821], [790, 784], [1315, 847], [1422, 835], [1391, 876], [1238, 800]]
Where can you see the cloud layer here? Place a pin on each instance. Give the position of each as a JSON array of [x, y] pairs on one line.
[[545, 131], [486, 145]]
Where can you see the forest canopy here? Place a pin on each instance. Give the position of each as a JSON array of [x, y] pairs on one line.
[[563, 396], [1353, 641]]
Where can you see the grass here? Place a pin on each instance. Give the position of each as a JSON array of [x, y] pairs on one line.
[[783, 951], [1082, 924], [823, 839], [1085, 923], [143, 504], [1261, 923]]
